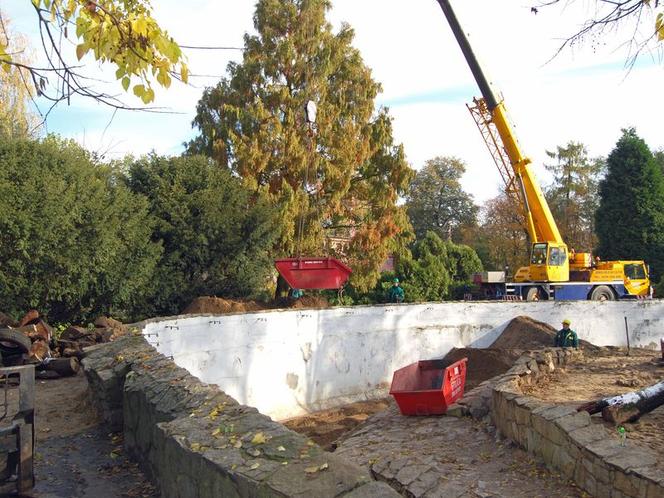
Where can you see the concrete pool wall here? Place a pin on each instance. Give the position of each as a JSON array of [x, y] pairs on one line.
[[290, 362]]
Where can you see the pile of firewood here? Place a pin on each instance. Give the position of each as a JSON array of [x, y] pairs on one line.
[[33, 340], [73, 339]]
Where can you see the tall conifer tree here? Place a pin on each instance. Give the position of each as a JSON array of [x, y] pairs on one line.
[[344, 177], [630, 218]]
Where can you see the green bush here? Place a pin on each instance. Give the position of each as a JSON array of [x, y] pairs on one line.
[[74, 241], [217, 236]]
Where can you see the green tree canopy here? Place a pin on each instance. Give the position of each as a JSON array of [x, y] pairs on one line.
[[216, 236], [437, 270], [573, 197], [74, 241], [630, 218], [342, 177], [436, 200]]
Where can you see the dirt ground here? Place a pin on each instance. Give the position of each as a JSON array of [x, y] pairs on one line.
[[326, 426], [609, 372], [74, 455]]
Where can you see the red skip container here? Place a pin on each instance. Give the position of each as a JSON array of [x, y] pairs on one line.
[[313, 273], [428, 387]]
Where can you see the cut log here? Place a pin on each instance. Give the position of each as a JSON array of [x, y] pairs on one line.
[[75, 333], [627, 407], [39, 351], [63, 366], [30, 316]]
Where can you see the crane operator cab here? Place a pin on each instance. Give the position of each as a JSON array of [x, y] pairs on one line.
[[549, 262]]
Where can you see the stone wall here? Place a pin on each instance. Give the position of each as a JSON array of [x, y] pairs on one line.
[[582, 450], [196, 441]]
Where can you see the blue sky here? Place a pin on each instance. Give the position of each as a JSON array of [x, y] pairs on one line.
[[584, 94]]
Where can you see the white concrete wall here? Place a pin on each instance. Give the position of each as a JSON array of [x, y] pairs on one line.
[[286, 363]]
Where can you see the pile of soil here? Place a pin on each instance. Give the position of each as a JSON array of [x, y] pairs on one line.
[[524, 333], [483, 364], [207, 304], [218, 305]]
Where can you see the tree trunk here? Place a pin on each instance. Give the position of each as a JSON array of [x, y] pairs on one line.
[[627, 407]]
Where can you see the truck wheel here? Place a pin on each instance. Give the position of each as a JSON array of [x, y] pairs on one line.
[[533, 294], [602, 293]]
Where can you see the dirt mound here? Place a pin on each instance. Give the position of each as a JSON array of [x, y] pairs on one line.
[[525, 333], [218, 305], [483, 364], [311, 302], [213, 305]]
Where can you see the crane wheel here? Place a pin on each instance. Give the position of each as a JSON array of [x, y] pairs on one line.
[[602, 293], [533, 294]]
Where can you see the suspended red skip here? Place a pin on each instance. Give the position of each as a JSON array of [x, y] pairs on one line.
[[313, 273]]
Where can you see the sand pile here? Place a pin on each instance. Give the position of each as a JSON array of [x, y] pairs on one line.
[[483, 364]]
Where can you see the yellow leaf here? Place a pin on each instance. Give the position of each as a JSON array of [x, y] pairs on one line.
[[125, 83], [217, 431], [148, 96], [325, 466], [254, 466], [184, 73], [237, 444], [196, 446], [659, 26], [139, 90], [281, 448], [81, 50], [259, 438]]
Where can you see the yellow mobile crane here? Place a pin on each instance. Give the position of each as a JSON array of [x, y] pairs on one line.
[[554, 271]]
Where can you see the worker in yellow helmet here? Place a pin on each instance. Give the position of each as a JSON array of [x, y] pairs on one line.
[[566, 337]]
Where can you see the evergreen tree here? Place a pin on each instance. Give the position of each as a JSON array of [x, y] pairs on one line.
[[216, 237], [573, 196], [74, 241], [341, 177], [630, 218]]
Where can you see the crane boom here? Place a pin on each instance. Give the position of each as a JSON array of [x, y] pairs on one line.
[[551, 265], [541, 225]]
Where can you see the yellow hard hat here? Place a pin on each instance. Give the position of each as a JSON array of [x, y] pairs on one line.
[[566, 321]]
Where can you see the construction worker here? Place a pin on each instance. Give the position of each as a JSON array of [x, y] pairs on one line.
[[566, 337], [395, 294]]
